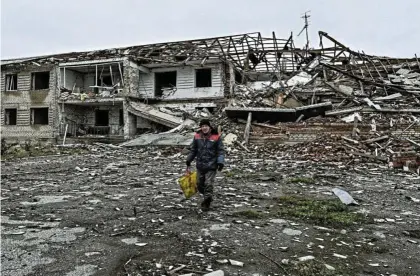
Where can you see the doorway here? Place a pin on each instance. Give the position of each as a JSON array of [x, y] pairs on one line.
[[101, 117]]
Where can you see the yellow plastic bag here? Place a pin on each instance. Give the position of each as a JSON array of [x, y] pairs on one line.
[[188, 184]]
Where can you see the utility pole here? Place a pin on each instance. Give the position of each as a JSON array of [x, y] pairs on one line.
[[306, 27]]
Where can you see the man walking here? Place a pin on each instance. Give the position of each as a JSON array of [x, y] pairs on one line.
[[207, 146]]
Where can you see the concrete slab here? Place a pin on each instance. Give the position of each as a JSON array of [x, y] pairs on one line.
[[161, 139]]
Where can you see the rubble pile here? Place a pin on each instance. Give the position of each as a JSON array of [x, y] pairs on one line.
[[375, 108], [348, 93], [67, 94], [256, 94], [378, 88], [343, 149]]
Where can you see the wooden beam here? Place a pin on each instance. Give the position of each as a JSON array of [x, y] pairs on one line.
[[140, 67], [377, 139], [247, 128]]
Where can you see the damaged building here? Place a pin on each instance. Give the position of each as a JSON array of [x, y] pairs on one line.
[[118, 93], [280, 92]]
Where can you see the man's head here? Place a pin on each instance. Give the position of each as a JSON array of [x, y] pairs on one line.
[[205, 126]]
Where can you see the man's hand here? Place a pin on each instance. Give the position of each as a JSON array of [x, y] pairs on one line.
[[220, 166], [188, 170]]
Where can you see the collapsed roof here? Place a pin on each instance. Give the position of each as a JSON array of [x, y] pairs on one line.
[[248, 51]]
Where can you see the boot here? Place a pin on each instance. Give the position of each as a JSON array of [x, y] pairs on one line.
[[205, 205]]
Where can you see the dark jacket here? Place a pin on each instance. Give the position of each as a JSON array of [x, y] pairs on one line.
[[208, 149]]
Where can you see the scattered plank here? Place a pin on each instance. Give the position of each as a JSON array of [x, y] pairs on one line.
[[242, 146], [378, 139], [413, 142], [350, 140], [380, 158]]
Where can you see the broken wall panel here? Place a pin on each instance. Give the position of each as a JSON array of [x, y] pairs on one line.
[[150, 113]]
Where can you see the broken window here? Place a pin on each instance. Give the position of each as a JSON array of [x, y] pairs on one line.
[[238, 77], [39, 116], [40, 80], [105, 81], [121, 117], [203, 77], [10, 116], [101, 117], [11, 82], [164, 80]]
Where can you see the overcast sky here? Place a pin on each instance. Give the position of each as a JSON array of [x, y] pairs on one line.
[[37, 27]]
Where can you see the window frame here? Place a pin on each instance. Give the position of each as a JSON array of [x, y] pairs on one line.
[[160, 94], [6, 82], [32, 116], [6, 117], [33, 82], [195, 77]]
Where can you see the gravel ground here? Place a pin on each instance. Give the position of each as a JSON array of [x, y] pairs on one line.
[[120, 212]]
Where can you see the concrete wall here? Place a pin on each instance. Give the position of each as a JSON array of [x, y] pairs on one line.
[[24, 99], [185, 86], [131, 80]]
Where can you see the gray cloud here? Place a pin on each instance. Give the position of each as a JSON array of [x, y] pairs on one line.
[[39, 27]]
